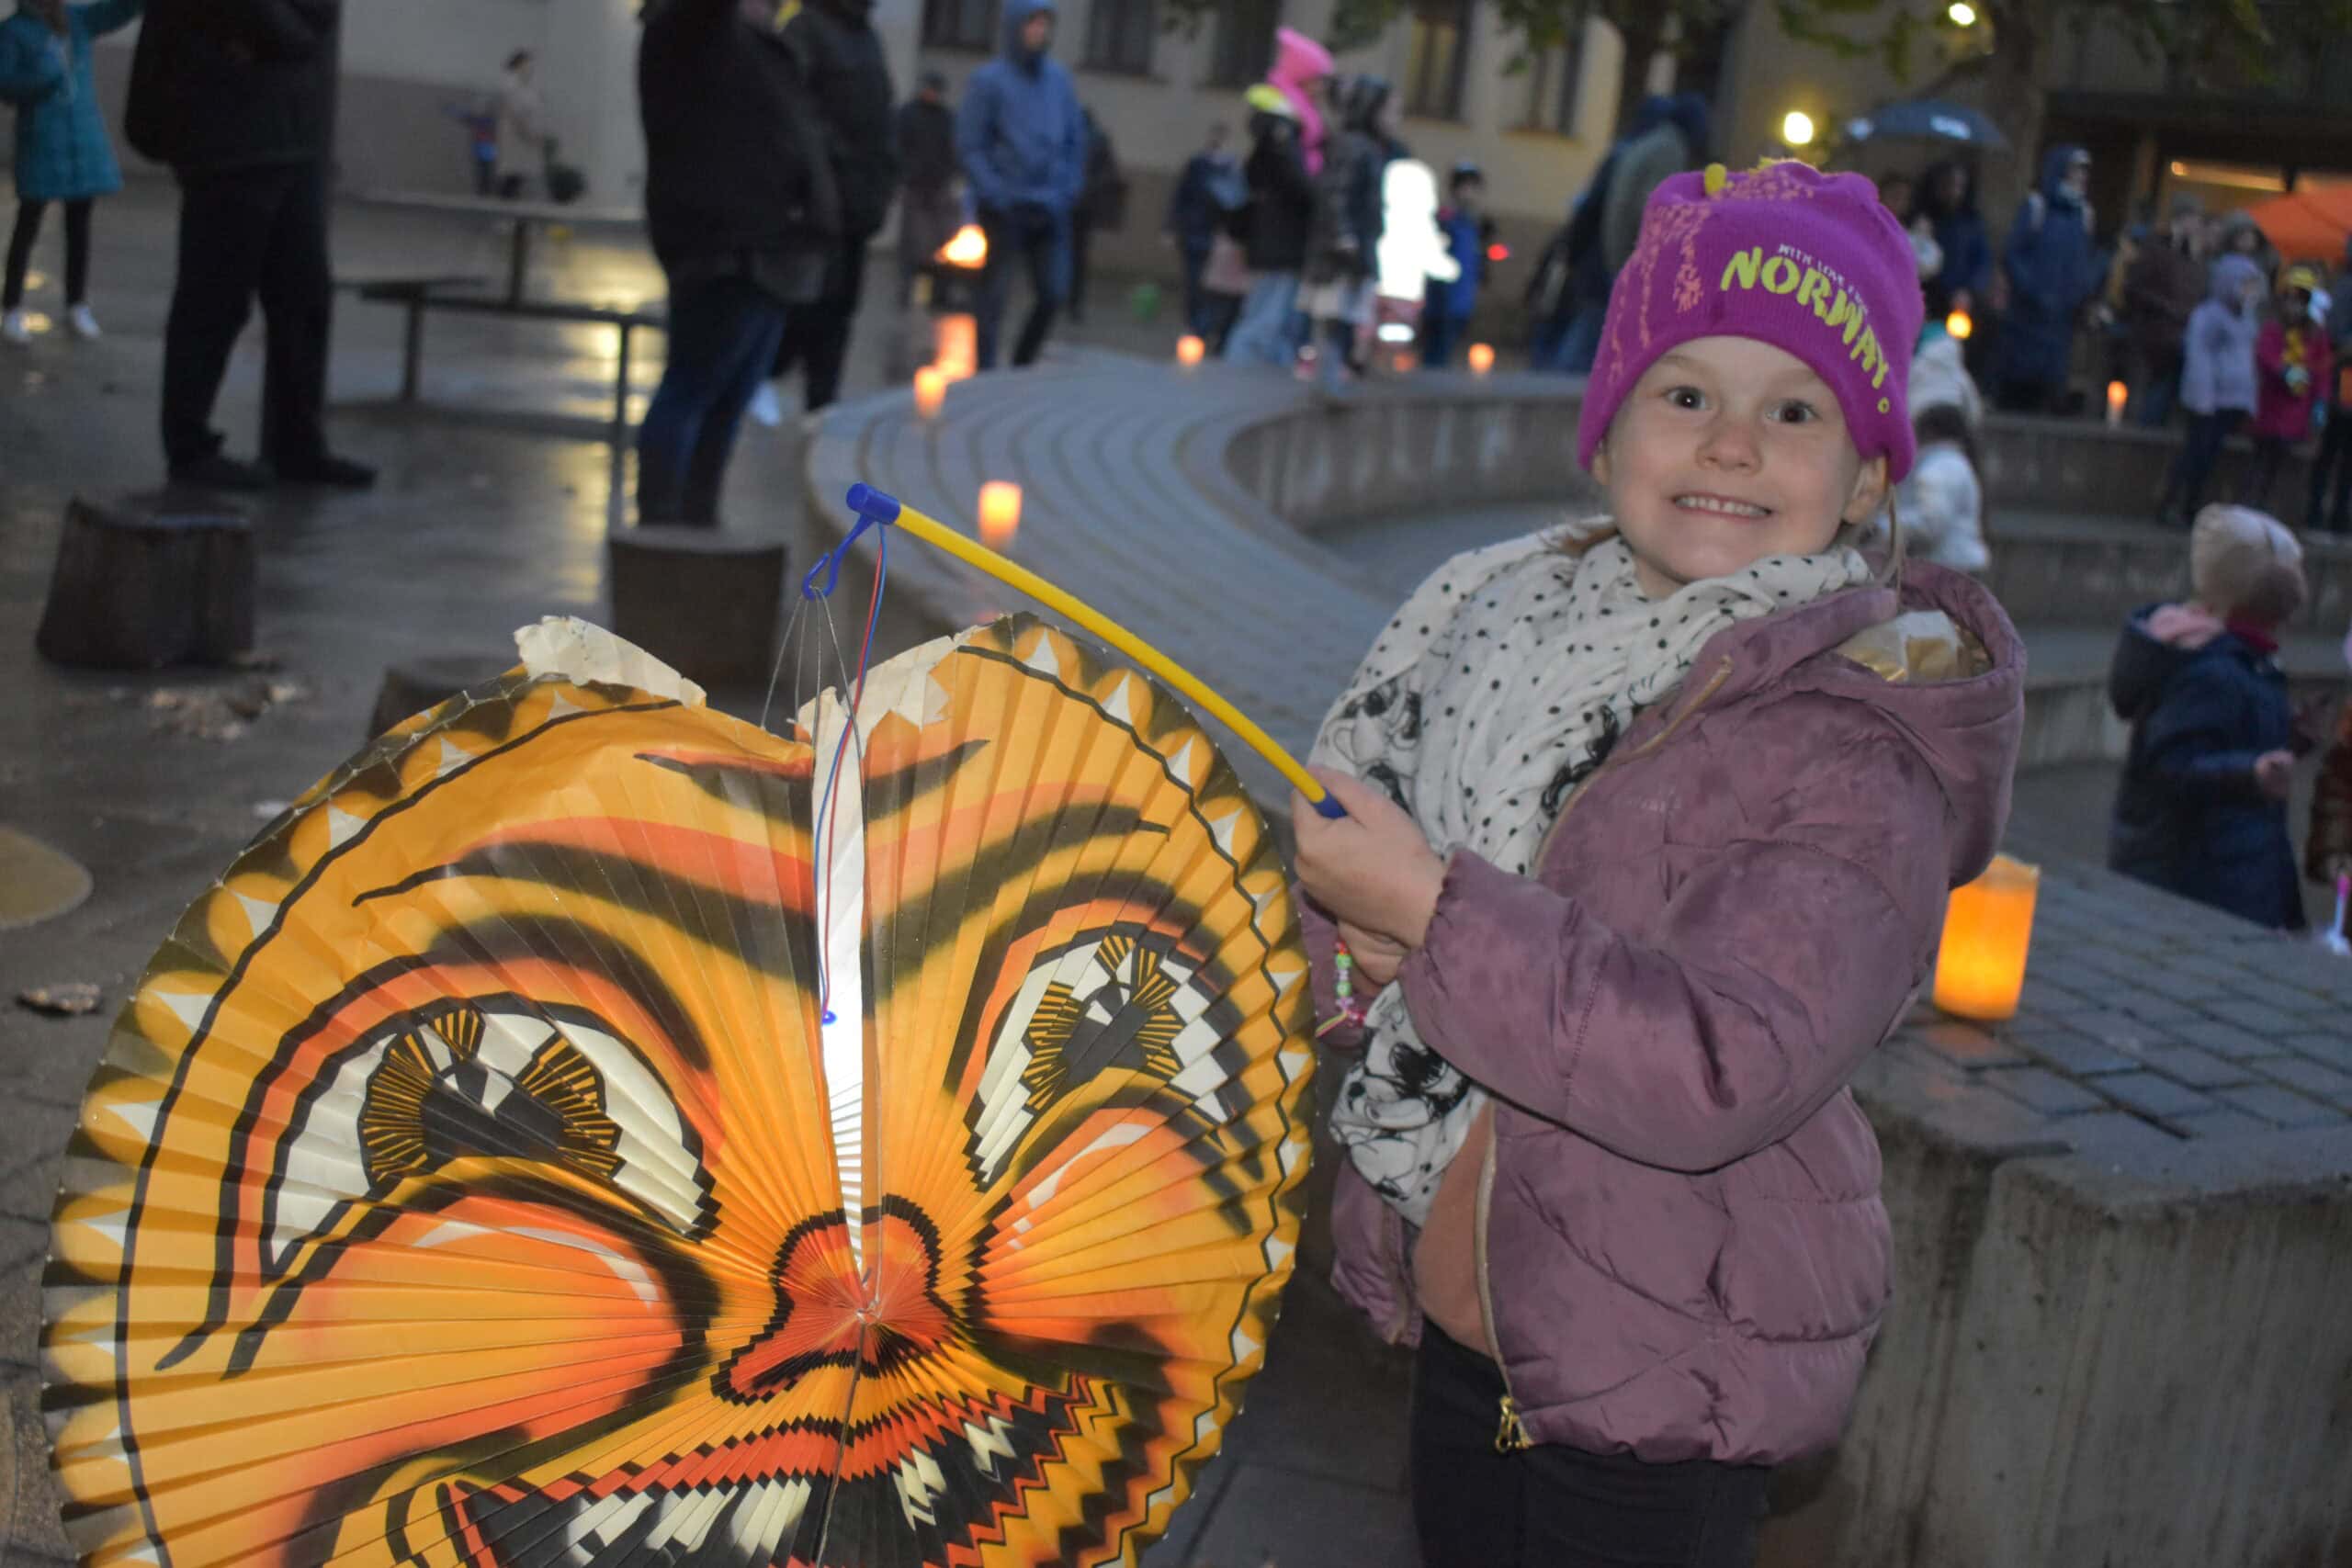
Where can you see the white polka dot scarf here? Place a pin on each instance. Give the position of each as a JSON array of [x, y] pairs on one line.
[[1494, 694]]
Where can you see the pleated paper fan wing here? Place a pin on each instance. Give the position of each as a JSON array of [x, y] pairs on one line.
[[470, 1179]]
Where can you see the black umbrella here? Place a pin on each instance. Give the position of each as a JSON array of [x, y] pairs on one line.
[[1929, 120]]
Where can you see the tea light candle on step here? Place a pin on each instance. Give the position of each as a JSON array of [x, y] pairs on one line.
[[2117, 394], [1482, 359], [1190, 351], [1988, 932], [930, 390], [999, 514], [1959, 325]]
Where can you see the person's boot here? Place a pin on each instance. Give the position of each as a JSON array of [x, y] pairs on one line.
[[218, 471], [335, 473], [84, 325], [15, 329]]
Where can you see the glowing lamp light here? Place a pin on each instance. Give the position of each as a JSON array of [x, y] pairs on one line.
[[1960, 326], [1797, 128], [968, 248], [999, 514], [2117, 394], [1395, 332], [1408, 361], [956, 346], [1482, 359], [930, 390], [1988, 927], [1498, 252], [1962, 14], [1190, 351]]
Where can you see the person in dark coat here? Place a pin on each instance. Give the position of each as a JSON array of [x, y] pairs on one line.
[[1666, 136], [1209, 190], [1022, 139], [2053, 271], [62, 152], [2162, 289], [237, 96], [848, 80], [1274, 232], [745, 220], [929, 210], [2201, 810], [1948, 201]]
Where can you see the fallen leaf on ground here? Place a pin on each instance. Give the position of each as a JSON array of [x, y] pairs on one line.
[[66, 999]]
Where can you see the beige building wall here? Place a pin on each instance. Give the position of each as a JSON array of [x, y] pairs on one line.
[[1157, 122]]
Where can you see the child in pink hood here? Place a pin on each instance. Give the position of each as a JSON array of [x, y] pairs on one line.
[[1301, 67], [1651, 821]]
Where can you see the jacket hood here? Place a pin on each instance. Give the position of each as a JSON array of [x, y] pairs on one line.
[[2231, 274], [1016, 17], [2054, 164], [1298, 59], [2156, 641], [1966, 729]]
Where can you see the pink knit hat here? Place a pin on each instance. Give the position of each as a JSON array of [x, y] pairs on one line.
[[1807, 261]]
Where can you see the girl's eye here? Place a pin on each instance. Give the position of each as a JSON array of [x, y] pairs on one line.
[[1685, 398], [1795, 413]]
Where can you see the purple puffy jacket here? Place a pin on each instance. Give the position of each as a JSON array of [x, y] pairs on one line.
[[1682, 1247]]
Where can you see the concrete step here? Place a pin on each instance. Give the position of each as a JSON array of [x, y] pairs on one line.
[[2093, 569], [2067, 719]]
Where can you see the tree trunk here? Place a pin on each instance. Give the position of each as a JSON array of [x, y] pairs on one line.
[[1643, 37], [2015, 100]]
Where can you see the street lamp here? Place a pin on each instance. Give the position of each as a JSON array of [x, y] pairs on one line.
[[1796, 128], [1962, 14]]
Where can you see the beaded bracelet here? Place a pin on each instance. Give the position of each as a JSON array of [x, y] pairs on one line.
[[1343, 986]]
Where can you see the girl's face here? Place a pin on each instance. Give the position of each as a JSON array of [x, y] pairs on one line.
[[1726, 451], [2296, 307]]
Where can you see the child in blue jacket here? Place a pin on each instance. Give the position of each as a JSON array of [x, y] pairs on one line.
[[1446, 311], [62, 152]]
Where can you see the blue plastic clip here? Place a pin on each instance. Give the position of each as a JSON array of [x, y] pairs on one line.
[[1329, 809], [874, 508]]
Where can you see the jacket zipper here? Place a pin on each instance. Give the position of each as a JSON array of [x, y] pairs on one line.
[[1511, 1434]]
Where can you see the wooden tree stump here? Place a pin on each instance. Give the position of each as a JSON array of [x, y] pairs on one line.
[[414, 684], [144, 582], [703, 601]]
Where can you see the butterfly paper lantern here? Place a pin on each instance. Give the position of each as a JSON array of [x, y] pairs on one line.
[[569, 1136]]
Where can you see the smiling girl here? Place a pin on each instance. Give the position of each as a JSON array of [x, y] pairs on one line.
[[1651, 822]]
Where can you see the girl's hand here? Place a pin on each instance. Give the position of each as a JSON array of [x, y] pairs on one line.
[[1372, 869], [1377, 958]]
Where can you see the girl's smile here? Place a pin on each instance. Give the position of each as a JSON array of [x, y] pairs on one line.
[[1728, 450]]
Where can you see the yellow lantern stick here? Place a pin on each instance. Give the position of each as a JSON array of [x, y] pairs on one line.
[[875, 509]]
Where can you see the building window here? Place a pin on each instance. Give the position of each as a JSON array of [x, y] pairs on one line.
[[1552, 82], [1119, 35], [1436, 51], [1244, 42], [960, 23]]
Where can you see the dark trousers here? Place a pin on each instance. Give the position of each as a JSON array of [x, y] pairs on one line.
[[2332, 464], [2026, 395], [1439, 332], [485, 176], [1196, 254], [1081, 255], [250, 234], [723, 333], [2269, 456], [816, 335], [2193, 469], [1556, 1507], [1038, 240], [21, 252]]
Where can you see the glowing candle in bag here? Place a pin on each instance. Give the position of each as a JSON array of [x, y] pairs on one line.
[[1988, 930], [999, 514], [930, 390]]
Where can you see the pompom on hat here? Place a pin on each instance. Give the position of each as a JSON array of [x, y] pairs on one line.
[[1807, 261]]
